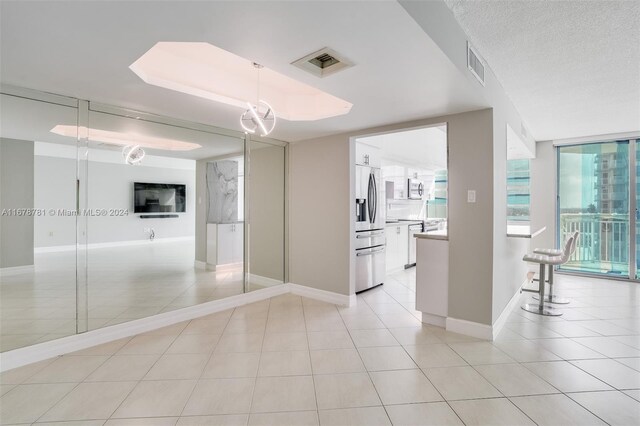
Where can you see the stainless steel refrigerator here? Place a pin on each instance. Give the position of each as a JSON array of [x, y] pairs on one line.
[[369, 220]]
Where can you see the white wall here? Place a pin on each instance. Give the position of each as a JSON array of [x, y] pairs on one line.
[[267, 211], [437, 20], [54, 188], [16, 192], [320, 237], [319, 214], [509, 271], [110, 186]]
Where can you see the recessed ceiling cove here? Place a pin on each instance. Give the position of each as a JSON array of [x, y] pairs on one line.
[[125, 138], [206, 71]]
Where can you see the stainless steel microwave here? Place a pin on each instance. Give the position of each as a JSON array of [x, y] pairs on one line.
[[415, 189]]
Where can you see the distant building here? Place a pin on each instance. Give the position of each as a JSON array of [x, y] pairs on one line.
[[611, 195]]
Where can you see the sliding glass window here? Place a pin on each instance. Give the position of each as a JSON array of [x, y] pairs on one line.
[[594, 198]]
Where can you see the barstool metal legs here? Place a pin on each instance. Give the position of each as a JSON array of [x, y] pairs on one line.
[[552, 298], [540, 308]]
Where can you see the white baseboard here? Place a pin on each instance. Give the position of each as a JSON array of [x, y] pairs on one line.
[[475, 329], [27, 355], [498, 325], [263, 281], [436, 320], [323, 295], [54, 249], [70, 247], [470, 328], [198, 264], [226, 266], [14, 270]]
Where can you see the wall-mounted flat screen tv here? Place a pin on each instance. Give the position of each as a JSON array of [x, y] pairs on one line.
[[159, 198]]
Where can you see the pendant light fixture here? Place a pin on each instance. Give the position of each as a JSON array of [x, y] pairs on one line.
[[260, 117], [133, 154]]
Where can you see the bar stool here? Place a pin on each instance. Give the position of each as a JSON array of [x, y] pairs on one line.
[[552, 298], [540, 308]]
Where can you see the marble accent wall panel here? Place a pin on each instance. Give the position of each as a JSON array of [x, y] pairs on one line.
[[222, 186]]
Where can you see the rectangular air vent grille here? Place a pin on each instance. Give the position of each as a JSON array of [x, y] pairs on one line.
[[323, 62], [475, 64]]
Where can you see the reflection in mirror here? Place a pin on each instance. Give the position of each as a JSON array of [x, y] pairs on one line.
[[145, 199], [266, 215], [225, 222], [518, 183], [122, 216], [37, 225]]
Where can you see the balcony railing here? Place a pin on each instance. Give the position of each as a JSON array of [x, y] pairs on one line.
[[603, 242]]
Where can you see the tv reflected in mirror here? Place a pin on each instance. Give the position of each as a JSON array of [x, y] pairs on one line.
[[159, 197]]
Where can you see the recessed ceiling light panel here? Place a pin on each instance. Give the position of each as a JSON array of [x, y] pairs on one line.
[[125, 139], [206, 71]]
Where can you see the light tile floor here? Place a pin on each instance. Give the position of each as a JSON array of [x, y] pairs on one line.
[[124, 284], [295, 361]]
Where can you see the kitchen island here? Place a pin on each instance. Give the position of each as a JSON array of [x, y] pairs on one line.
[[432, 276]]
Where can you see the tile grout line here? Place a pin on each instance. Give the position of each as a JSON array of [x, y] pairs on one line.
[[533, 341], [77, 384], [421, 370], [197, 381], [313, 379], [149, 369], [365, 366], [560, 392], [255, 381]]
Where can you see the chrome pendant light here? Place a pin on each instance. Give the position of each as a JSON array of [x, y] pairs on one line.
[[133, 154], [259, 118]]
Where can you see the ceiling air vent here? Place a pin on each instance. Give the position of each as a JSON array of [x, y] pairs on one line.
[[322, 63], [475, 64]]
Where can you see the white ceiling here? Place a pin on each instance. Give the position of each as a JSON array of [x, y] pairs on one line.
[[28, 120], [84, 49], [571, 68], [424, 149]]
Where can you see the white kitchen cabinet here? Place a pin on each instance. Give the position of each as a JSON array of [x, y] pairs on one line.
[[391, 245], [368, 155], [403, 246], [230, 241], [397, 175], [397, 237]]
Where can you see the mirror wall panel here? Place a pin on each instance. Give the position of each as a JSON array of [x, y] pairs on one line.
[[110, 216], [144, 200], [266, 218], [38, 222]]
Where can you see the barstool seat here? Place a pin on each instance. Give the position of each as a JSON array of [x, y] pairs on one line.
[[552, 298], [548, 252], [543, 260]]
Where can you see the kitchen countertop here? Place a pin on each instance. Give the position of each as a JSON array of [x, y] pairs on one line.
[[523, 231], [404, 222], [440, 234]]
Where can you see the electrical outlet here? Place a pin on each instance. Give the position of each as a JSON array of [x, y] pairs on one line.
[[51, 233], [471, 196]]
